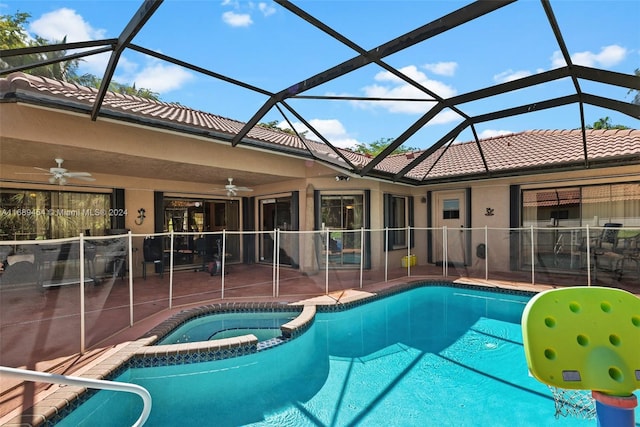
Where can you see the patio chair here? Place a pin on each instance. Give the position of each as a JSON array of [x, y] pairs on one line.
[[604, 246], [153, 253], [202, 246], [628, 246]]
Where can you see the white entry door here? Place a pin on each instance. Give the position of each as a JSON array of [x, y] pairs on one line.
[[450, 212]]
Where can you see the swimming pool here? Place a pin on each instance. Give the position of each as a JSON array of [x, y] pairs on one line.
[[433, 355], [264, 325]]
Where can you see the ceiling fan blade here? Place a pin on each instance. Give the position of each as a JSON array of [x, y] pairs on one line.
[[243, 189], [43, 171], [76, 174], [83, 178], [33, 173]]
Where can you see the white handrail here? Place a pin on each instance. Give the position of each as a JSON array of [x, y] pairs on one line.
[[49, 378]]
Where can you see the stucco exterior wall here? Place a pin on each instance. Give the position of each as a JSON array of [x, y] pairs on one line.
[[142, 160]]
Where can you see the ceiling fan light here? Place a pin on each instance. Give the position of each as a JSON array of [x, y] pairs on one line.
[[63, 181], [52, 180]]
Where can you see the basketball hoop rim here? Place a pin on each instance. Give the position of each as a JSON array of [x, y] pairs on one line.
[[625, 402]]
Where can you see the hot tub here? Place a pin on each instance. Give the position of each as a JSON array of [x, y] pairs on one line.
[[265, 325]]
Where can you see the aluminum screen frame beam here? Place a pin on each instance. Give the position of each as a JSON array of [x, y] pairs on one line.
[[136, 23], [447, 22]]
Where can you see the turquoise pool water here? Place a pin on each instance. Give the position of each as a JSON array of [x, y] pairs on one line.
[[264, 325], [431, 356]]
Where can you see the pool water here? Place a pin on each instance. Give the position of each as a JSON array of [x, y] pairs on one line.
[[431, 356], [264, 325]]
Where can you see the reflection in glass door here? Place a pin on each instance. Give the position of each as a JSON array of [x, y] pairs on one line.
[[225, 215], [343, 216], [187, 218], [275, 213]]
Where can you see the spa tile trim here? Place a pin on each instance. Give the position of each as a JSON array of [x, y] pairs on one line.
[[300, 324], [195, 352]]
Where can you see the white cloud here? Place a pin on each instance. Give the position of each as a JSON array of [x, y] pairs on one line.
[[241, 16], [607, 57], [557, 60], [444, 117], [442, 68], [65, 22], [390, 86], [159, 77], [237, 19], [126, 67], [266, 9], [331, 129], [510, 75], [154, 75], [490, 133], [61, 23]]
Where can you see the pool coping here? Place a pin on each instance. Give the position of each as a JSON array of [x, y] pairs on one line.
[[142, 352]]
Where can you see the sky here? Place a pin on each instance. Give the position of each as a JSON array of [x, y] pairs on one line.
[[266, 46]]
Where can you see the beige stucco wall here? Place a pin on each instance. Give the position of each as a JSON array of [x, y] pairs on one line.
[[72, 131], [26, 132], [494, 194]]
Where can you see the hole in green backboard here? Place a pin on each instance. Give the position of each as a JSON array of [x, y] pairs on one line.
[[575, 307], [616, 374], [550, 353], [583, 340], [635, 320], [550, 322], [614, 340], [605, 306]]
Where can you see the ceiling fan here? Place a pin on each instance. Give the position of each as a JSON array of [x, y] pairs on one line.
[[232, 189], [60, 175]]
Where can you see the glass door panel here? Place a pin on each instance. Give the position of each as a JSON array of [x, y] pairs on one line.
[[275, 213], [343, 216]]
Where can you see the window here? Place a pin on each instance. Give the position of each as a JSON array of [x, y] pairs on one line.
[[343, 215], [276, 213], [186, 216], [557, 206], [617, 203], [398, 217], [592, 205], [451, 209], [399, 220], [560, 214], [36, 214], [342, 211]]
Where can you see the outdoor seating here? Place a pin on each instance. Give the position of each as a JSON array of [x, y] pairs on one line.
[[153, 253], [603, 248], [113, 253], [203, 251], [628, 247], [52, 260]]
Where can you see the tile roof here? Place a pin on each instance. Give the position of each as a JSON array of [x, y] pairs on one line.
[[503, 154], [530, 150]]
